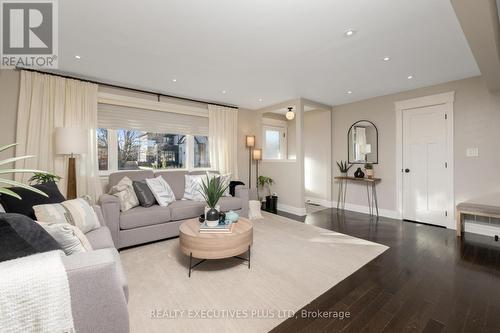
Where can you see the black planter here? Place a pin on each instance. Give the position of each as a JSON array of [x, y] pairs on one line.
[[359, 173], [212, 215], [272, 204]]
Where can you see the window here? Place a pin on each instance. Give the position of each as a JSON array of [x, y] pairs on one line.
[[201, 153], [274, 143], [102, 148], [128, 149]]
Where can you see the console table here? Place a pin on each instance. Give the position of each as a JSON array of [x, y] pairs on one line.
[[371, 191]]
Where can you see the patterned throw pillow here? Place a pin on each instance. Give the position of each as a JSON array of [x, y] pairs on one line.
[[192, 187], [76, 212], [69, 237], [124, 191], [161, 191]]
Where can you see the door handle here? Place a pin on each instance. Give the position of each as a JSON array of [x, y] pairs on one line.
[[407, 170]]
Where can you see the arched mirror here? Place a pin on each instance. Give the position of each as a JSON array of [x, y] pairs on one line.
[[362, 141]]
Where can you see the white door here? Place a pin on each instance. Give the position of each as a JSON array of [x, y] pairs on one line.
[[425, 166]]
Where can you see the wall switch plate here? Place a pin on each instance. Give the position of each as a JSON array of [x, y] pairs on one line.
[[472, 152]]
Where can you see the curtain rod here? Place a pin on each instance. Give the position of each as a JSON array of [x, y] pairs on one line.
[[95, 81]]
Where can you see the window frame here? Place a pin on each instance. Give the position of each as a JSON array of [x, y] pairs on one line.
[[283, 130]]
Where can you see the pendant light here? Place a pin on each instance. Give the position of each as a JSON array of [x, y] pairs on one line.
[[290, 115]]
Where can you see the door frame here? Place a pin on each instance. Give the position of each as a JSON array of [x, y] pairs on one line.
[[447, 99]]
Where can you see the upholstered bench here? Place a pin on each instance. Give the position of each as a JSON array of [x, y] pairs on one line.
[[487, 206]]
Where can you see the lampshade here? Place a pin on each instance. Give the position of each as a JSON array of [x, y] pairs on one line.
[[71, 140], [250, 141], [257, 154]]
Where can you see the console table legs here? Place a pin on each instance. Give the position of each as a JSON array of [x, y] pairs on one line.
[[342, 194], [371, 195]]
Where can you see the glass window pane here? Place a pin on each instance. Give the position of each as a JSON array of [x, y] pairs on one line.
[[272, 148], [201, 153], [102, 148], [150, 150]]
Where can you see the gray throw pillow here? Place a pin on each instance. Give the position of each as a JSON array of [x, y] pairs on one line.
[[144, 194]]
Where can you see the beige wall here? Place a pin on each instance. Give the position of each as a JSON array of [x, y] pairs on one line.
[[476, 124], [9, 96], [287, 174], [317, 156]]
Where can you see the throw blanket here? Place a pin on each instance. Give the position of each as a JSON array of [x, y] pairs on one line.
[[34, 295]]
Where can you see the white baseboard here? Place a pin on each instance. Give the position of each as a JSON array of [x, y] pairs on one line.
[[321, 202], [291, 209], [364, 209], [481, 228]]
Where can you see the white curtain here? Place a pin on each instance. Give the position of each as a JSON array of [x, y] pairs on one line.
[[47, 102], [223, 139]]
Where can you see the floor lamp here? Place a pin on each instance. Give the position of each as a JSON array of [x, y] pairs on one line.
[[71, 141], [257, 156], [250, 143]]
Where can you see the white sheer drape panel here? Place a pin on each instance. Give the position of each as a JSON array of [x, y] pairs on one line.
[[223, 136], [47, 102]]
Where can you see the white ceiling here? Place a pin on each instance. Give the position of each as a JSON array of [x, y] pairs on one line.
[[269, 49]]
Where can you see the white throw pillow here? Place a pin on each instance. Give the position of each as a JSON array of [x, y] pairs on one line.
[[161, 191], [254, 210], [76, 212], [69, 237], [125, 192], [192, 188]]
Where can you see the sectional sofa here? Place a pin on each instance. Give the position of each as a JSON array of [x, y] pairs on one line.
[[145, 224]]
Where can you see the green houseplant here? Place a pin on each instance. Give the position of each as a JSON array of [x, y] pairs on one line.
[[212, 189], [3, 181], [264, 182], [344, 167], [43, 178]]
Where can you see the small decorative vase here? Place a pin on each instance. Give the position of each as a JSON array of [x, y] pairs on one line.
[[212, 217], [359, 173], [222, 218], [369, 173]]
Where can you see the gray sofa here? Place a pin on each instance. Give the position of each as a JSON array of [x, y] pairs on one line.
[[141, 225], [98, 285]]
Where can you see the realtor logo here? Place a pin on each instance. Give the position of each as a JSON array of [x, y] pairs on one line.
[[29, 33]]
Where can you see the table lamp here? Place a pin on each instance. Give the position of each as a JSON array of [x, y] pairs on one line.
[[250, 143], [71, 141]]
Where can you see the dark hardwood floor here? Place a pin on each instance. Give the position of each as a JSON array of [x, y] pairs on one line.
[[427, 281]]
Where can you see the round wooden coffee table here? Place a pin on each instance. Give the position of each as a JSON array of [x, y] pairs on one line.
[[215, 246]]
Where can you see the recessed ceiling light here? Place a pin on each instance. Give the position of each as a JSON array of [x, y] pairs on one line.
[[349, 92], [349, 32], [78, 57], [174, 80], [410, 77], [387, 59], [223, 91], [260, 100]]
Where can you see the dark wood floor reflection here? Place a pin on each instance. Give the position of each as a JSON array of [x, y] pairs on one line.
[[428, 281]]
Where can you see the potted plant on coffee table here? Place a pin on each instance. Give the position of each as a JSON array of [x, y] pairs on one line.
[[212, 189]]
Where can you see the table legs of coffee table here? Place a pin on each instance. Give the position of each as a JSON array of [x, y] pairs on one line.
[[191, 266], [245, 259]]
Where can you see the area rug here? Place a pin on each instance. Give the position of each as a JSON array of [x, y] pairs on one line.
[[292, 263]]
